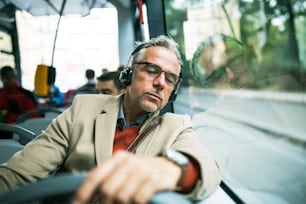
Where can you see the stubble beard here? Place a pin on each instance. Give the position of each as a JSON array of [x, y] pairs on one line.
[[148, 105]]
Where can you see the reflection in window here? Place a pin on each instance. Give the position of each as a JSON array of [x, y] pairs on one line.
[[245, 64], [223, 62], [273, 34]]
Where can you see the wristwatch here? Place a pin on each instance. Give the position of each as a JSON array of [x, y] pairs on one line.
[[178, 158]]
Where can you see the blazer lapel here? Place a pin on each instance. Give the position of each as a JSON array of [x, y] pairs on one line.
[[144, 147], [105, 126]]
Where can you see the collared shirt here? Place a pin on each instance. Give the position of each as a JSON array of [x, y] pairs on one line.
[[121, 123]]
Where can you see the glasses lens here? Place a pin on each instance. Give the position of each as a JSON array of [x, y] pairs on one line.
[[154, 71], [218, 75], [171, 78]]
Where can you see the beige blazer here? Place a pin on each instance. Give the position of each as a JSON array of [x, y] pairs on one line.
[[83, 136]]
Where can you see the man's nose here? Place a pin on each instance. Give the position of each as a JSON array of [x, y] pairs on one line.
[[160, 79]]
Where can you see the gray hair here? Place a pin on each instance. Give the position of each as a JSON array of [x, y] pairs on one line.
[[163, 41]]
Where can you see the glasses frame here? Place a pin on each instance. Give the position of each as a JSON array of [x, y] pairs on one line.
[[168, 75]]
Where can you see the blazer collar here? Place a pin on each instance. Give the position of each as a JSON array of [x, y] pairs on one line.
[[105, 126]]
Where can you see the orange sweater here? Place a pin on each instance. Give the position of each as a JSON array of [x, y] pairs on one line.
[[124, 138]]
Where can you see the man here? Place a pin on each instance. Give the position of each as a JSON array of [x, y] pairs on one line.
[[98, 133], [232, 69], [14, 100], [88, 88], [90, 85], [109, 83]]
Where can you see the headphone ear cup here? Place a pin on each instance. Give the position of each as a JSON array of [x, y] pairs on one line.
[[125, 77]]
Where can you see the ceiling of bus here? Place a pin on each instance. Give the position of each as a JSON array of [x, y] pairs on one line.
[[51, 7]]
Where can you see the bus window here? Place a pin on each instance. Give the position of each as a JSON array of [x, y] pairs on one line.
[[82, 43], [6, 50], [270, 41], [244, 73]]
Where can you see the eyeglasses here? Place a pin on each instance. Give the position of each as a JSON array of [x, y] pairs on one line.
[[220, 75], [153, 71]]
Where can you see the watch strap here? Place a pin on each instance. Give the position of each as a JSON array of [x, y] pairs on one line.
[[180, 160]]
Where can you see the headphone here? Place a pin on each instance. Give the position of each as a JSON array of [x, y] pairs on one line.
[[126, 74]]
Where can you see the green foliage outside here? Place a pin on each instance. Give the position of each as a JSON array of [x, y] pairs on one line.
[[273, 33]]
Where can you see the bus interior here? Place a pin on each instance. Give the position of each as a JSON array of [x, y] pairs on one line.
[[244, 74]]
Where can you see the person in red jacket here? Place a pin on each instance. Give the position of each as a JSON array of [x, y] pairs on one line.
[[14, 100]]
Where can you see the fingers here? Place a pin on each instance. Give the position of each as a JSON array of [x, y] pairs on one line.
[[113, 183], [149, 186], [133, 184], [126, 177], [96, 177], [151, 175]]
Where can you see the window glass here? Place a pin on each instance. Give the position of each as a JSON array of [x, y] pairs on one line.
[[82, 43], [244, 87], [6, 50], [265, 38]]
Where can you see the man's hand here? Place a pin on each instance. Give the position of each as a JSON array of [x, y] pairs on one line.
[[127, 177]]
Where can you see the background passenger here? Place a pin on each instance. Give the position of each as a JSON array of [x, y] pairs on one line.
[[104, 70], [57, 96], [109, 83], [90, 86], [55, 99], [14, 99]]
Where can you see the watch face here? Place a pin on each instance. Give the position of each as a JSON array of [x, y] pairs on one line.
[[177, 157]]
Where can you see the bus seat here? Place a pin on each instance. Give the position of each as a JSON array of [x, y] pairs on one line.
[[36, 125], [22, 135], [9, 146], [48, 112]]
